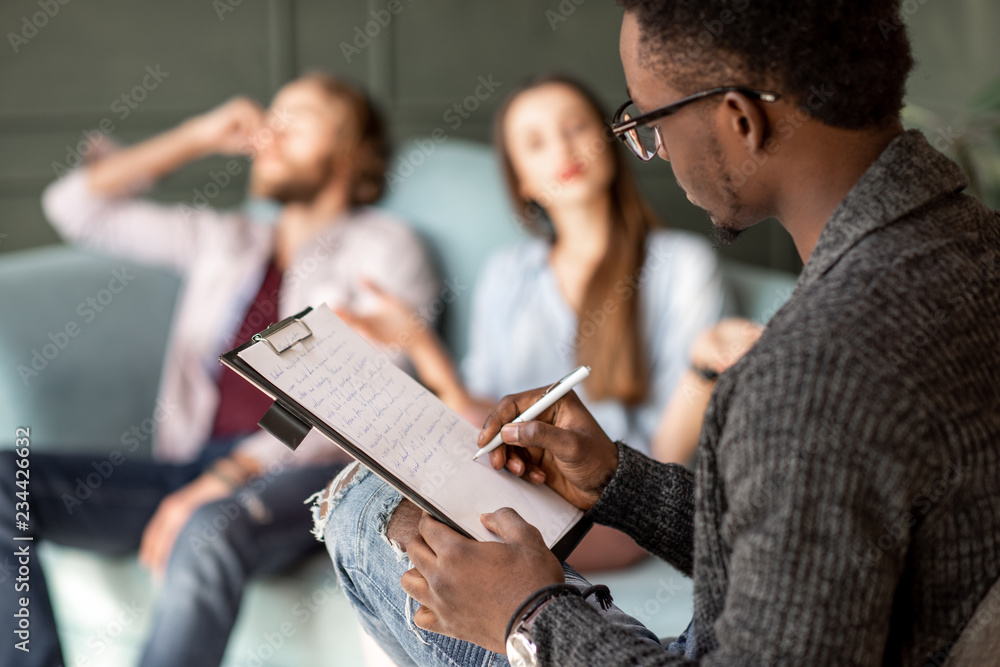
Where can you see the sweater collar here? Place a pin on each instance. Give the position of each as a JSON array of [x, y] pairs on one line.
[[907, 175]]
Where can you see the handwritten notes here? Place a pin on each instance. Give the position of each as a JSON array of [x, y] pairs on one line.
[[362, 395]]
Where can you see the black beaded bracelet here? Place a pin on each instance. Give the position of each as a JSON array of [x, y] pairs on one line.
[[705, 373]]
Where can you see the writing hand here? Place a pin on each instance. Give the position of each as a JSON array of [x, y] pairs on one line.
[[469, 589], [563, 447]]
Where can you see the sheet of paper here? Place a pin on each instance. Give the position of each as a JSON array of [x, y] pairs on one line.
[[358, 392]]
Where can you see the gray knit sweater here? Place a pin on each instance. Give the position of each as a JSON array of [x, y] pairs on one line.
[[845, 509]]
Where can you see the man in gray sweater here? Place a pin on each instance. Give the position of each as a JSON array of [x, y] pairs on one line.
[[845, 509]]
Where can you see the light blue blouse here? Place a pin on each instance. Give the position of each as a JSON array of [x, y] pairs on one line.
[[523, 331]]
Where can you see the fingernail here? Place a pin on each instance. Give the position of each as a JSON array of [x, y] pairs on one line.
[[509, 433]]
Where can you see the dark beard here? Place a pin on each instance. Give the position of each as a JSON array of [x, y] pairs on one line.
[[303, 191], [300, 191], [723, 235], [723, 232]]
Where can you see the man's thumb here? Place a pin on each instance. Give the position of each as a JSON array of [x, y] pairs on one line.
[[506, 524]]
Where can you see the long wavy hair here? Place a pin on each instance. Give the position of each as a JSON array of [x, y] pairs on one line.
[[610, 344]]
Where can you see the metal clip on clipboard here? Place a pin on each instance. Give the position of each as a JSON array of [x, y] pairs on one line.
[[281, 343], [278, 421]]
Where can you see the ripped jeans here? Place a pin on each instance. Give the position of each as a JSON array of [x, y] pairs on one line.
[[369, 567]]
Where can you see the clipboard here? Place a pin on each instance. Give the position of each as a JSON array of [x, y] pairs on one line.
[[290, 422]]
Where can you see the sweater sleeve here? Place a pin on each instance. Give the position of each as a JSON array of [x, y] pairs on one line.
[[128, 226], [653, 503], [813, 501], [569, 631]]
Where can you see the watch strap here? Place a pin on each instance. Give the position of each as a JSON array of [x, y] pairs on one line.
[[534, 602]]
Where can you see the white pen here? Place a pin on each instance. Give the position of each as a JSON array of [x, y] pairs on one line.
[[552, 394]]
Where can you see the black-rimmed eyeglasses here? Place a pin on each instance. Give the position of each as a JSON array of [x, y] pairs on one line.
[[633, 128]]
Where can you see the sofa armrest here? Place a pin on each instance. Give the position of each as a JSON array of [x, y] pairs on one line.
[[84, 336]]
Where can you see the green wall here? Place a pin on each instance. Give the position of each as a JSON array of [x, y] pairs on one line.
[[64, 78]]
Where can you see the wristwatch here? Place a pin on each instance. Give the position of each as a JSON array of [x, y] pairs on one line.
[[521, 650]]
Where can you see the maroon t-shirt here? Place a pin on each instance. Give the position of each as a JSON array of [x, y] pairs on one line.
[[241, 405]]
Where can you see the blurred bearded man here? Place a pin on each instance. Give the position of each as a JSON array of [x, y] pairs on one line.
[[320, 151]]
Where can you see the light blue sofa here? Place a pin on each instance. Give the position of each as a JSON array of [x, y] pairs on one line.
[[85, 391]]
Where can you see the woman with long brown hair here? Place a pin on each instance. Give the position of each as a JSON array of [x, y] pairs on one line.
[[601, 284]]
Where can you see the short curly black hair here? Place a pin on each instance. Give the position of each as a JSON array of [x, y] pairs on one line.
[[856, 51]]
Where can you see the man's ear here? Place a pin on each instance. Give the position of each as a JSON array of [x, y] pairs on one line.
[[745, 121]]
